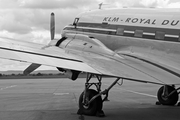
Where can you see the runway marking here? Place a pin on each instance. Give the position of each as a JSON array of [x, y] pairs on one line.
[[8, 87], [145, 94], [61, 93]]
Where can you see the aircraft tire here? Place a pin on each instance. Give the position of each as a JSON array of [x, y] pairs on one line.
[[172, 100], [94, 107]]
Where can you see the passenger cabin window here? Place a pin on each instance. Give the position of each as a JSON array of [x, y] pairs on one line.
[[138, 33], [120, 31], [159, 35], [75, 21]]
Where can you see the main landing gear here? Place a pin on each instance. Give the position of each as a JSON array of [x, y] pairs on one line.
[[90, 101], [168, 95]]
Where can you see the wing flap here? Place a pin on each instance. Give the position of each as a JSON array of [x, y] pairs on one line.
[[117, 68], [164, 73], [132, 68]]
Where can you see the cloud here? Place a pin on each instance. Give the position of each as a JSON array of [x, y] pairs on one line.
[[9, 4], [145, 3], [154, 3], [28, 15], [53, 4], [174, 5], [15, 27], [15, 21]]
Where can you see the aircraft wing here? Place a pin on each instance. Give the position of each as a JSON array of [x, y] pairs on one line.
[[166, 69], [125, 67], [133, 69], [32, 53]]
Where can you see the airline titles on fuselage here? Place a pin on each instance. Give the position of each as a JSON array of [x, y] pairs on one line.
[[141, 21]]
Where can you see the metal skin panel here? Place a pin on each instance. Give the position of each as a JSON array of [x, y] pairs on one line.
[[133, 16]]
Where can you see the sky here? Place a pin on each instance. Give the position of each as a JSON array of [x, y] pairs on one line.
[[29, 20]]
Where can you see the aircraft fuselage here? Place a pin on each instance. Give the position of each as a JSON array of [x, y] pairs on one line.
[[151, 33]]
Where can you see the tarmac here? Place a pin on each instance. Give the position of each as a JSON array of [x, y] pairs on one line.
[[57, 99]]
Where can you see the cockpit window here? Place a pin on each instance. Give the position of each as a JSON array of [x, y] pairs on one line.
[[75, 21]]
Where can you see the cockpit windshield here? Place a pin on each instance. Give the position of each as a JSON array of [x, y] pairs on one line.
[[75, 21]]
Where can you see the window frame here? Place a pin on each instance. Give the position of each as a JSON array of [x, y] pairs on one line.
[[76, 20], [120, 31], [159, 35], [138, 33]]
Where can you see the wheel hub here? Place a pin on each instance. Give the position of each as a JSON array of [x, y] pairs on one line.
[[86, 106], [164, 97]]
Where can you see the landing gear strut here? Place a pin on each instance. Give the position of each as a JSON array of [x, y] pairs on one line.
[[168, 95], [90, 101]]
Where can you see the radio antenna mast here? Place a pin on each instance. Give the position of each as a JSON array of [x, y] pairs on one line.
[[101, 4]]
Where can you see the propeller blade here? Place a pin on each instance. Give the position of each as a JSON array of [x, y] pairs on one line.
[[31, 68], [52, 26]]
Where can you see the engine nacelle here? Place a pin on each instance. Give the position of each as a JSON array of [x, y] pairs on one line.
[[71, 74], [84, 43]]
